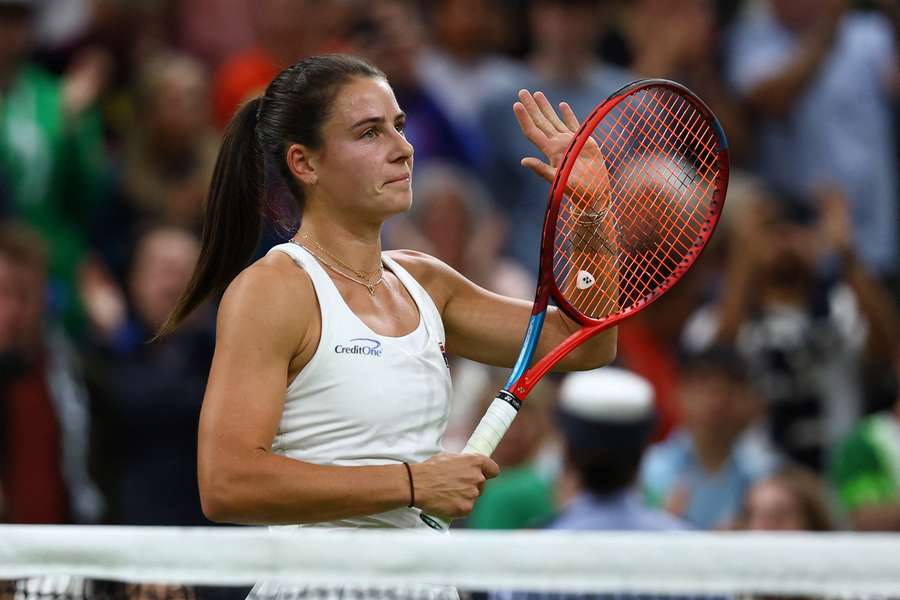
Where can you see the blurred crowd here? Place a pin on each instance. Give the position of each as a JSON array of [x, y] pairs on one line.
[[771, 368]]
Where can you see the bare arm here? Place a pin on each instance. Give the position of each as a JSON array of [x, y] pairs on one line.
[[874, 301], [776, 94], [489, 328], [265, 320], [750, 250]]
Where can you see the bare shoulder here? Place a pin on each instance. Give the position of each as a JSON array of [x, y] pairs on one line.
[[436, 276], [272, 299]]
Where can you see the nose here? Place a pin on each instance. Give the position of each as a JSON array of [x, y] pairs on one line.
[[403, 149]]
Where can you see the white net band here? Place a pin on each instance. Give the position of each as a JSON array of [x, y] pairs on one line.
[[831, 565]]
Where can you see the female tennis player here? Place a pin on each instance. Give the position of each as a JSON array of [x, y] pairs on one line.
[[328, 393]]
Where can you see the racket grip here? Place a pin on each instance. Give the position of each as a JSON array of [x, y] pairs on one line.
[[493, 425], [485, 439]]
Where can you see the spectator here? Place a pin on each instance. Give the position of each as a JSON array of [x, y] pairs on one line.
[[703, 471], [149, 395], [390, 34], [44, 408], [865, 471], [286, 31], [686, 50], [790, 500], [820, 79], [562, 64], [167, 161], [606, 418], [51, 153], [213, 30], [170, 157], [806, 336], [460, 66]]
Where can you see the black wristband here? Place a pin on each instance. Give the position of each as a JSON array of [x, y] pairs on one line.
[[412, 489]]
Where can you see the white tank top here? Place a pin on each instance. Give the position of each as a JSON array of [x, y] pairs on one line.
[[365, 398]]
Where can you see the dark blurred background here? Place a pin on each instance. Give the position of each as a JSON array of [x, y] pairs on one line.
[[773, 364]]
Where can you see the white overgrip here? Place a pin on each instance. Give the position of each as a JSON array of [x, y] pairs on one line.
[[484, 441], [491, 428]]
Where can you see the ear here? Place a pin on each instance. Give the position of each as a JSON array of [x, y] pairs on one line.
[[302, 163]]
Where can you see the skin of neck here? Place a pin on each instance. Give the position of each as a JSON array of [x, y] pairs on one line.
[[355, 241]]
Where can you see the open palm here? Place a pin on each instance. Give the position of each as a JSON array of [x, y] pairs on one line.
[[551, 133]]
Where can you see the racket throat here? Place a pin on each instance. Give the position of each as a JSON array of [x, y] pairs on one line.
[[510, 399]]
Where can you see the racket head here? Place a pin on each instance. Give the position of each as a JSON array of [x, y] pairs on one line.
[[664, 158]]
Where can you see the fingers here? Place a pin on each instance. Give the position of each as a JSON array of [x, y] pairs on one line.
[[547, 111], [533, 133], [541, 168], [568, 116], [536, 115], [489, 468]]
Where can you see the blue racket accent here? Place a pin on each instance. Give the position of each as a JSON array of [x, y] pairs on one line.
[[720, 133], [529, 344]]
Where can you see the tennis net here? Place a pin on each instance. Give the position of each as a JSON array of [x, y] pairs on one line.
[[139, 563]]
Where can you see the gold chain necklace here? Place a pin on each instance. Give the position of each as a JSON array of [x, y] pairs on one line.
[[360, 279], [358, 273]]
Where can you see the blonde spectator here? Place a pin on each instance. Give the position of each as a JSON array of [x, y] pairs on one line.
[[170, 157]]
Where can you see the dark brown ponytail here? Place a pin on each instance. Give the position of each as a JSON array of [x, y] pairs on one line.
[[233, 221]]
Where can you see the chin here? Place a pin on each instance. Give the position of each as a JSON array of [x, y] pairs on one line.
[[398, 203]]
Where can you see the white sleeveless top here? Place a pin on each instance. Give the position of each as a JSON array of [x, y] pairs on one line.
[[365, 398]]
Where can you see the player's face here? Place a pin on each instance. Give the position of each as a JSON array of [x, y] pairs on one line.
[[365, 163]]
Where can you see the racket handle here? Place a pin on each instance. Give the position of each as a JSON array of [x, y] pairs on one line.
[[493, 425], [485, 439]]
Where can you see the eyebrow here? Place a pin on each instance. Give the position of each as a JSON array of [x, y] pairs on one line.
[[377, 120]]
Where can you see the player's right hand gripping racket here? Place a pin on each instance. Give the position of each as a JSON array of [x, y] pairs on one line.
[[634, 201]]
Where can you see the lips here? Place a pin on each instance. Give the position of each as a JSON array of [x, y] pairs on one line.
[[401, 178]]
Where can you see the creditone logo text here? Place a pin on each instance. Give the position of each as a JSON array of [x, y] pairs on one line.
[[360, 346]]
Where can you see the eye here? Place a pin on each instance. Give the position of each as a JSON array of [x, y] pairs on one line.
[[400, 127], [370, 133]]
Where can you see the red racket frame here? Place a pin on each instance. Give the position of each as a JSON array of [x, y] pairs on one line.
[[547, 287]]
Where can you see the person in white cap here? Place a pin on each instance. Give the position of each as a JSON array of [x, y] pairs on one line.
[[607, 418]]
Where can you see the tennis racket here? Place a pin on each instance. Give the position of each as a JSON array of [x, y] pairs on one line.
[[635, 199]]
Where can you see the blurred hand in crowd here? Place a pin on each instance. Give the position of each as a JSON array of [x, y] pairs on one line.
[[103, 299], [835, 226], [85, 79]]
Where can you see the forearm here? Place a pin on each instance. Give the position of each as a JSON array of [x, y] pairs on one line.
[[735, 303], [271, 489], [776, 95], [876, 307], [596, 352]]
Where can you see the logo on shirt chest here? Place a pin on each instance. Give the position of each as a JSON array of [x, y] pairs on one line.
[[360, 347]]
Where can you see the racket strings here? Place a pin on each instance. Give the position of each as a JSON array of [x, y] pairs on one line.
[[637, 203]]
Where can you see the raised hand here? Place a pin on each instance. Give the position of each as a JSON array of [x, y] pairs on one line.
[[551, 133]]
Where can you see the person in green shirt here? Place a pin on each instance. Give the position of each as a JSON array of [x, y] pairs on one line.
[[866, 472], [52, 159]]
